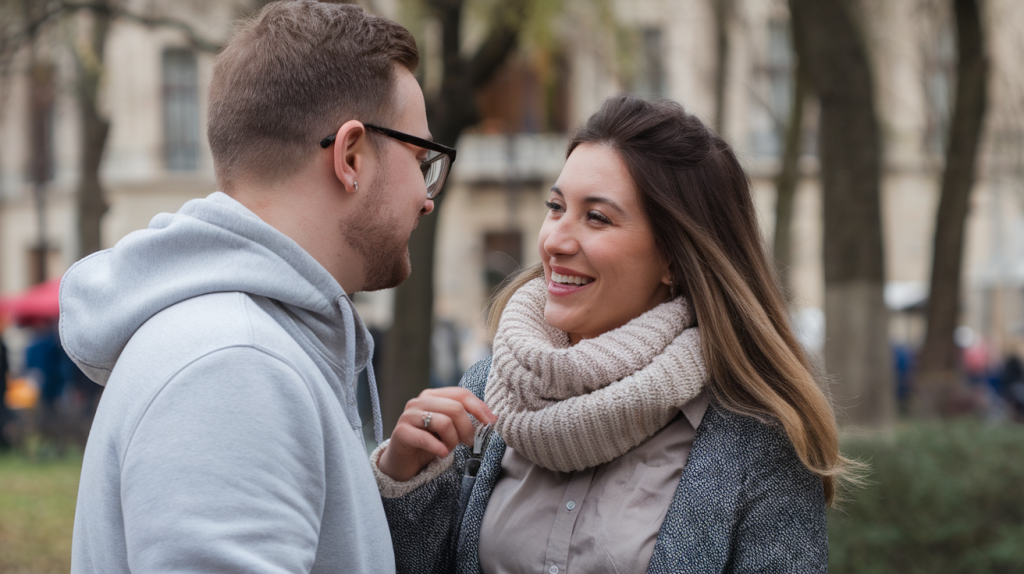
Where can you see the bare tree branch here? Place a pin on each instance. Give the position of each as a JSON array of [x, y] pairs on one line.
[[33, 23], [10, 44], [195, 39], [498, 45]]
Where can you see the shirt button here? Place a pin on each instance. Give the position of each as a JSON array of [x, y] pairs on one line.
[[553, 569], [569, 506]]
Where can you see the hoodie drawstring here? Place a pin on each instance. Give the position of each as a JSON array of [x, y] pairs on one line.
[[378, 422]]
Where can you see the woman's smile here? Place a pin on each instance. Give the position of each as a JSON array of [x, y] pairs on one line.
[[563, 281]]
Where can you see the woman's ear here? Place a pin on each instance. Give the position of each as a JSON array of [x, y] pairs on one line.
[[667, 276], [350, 149]]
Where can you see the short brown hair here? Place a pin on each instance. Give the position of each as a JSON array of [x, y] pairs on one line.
[[294, 74]]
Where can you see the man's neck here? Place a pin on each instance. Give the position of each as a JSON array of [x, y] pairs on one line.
[[310, 215]]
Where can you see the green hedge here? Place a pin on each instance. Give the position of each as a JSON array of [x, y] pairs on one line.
[[942, 498]]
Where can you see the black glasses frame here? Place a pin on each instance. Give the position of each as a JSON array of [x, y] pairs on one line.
[[410, 139]]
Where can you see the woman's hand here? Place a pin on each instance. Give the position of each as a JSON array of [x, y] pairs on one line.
[[412, 446]]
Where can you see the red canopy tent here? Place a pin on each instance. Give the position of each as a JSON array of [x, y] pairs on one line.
[[39, 302]]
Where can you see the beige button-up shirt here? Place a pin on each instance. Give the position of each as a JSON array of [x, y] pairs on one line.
[[602, 519]]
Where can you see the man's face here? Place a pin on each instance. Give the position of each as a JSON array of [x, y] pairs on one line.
[[397, 196]]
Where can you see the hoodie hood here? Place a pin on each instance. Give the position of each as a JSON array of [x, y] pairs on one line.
[[210, 245]]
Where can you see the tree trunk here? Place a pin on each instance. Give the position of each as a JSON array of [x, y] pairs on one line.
[[856, 322], [787, 181], [406, 369], [92, 203], [938, 380], [43, 84], [723, 15]]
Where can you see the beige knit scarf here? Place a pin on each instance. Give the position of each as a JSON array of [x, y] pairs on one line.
[[568, 408]]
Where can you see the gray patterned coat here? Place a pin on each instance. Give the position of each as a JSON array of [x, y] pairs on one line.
[[744, 503]]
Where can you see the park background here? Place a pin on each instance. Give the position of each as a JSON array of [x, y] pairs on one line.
[[883, 140]]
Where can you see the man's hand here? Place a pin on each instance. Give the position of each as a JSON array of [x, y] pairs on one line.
[[412, 447]]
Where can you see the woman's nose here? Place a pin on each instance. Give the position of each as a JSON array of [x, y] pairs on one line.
[[561, 240]]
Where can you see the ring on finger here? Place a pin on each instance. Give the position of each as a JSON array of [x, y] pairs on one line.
[[426, 419]]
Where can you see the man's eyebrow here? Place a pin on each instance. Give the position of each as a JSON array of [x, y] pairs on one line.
[[593, 199]]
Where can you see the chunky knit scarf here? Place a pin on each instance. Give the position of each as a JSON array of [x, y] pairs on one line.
[[568, 408]]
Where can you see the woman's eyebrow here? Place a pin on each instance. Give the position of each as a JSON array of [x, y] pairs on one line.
[[593, 199]]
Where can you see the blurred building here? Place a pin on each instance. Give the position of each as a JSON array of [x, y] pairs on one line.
[[157, 155]]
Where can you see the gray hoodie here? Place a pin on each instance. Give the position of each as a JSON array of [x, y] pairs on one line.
[[228, 438]]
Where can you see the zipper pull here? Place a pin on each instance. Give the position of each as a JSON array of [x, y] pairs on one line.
[[481, 437]]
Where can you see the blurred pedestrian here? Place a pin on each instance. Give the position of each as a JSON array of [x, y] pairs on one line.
[[5, 371], [903, 361], [655, 411], [228, 436], [1012, 384], [43, 358]]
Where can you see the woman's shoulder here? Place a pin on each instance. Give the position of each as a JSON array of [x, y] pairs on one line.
[[745, 441], [475, 378]]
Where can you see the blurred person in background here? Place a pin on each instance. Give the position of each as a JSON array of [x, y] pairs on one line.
[[654, 411], [1012, 383], [60, 419], [43, 358], [228, 438], [5, 370]]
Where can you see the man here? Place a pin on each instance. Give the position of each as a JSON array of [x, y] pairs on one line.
[[228, 437]]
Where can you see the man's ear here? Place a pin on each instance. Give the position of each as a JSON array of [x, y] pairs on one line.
[[350, 149]]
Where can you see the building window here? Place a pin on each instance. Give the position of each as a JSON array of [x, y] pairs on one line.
[[42, 263], [181, 109], [649, 70], [43, 96], [772, 93], [526, 95]]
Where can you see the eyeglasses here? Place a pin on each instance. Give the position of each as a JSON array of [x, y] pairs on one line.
[[435, 167]]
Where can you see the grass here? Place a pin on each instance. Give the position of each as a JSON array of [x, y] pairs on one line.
[[37, 510], [943, 498]]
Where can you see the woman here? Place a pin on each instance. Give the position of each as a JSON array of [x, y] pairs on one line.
[[654, 411]]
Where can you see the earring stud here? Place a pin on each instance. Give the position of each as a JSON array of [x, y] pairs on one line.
[[355, 184]]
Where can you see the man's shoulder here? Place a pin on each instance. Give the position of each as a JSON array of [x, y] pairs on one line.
[[225, 318], [198, 327]]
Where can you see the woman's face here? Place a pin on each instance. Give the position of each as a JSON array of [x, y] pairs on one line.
[[600, 260]]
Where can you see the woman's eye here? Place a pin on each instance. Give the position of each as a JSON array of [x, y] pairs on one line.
[[553, 206], [598, 216]]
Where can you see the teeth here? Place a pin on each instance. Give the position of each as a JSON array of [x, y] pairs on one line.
[[569, 279]]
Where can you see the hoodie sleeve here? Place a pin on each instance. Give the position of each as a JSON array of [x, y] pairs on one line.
[[225, 471]]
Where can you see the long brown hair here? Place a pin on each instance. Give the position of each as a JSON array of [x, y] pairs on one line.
[[698, 201]]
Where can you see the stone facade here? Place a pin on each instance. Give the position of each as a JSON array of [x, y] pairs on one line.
[[494, 201]]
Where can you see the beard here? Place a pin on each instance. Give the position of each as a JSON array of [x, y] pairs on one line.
[[373, 234]]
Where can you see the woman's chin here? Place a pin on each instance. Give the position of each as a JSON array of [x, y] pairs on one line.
[[561, 318]]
